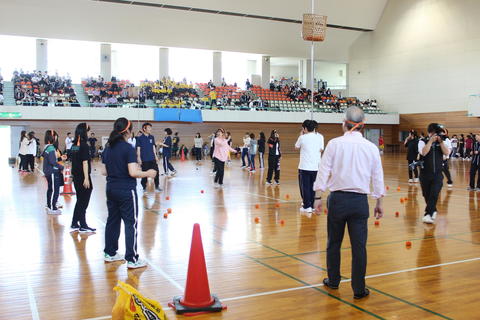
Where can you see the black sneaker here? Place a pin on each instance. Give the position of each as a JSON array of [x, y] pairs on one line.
[[87, 230], [327, 283], [363, 295], [74, 228]]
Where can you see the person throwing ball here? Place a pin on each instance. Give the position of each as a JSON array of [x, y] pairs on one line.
[[121, 169]]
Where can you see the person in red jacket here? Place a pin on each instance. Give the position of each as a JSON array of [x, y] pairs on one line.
[[468, 147]]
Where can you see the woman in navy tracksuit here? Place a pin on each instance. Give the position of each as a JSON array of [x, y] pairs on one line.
[[52, 170], [121, 169], [167, 153]]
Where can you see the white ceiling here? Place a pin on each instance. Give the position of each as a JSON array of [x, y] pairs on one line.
[[123, 23], [352, 13]]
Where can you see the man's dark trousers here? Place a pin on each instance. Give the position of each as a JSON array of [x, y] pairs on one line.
[[351, 209]]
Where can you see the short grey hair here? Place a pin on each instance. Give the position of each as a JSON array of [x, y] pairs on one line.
[[354, 114]]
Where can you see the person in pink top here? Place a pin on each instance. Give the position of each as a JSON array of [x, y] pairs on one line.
[[220, 155], [349, 164]]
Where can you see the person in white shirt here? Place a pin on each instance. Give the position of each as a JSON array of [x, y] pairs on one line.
[[311, 144], [31, 151], [446, 170], [246, 145], [22, 151], [68, 144], [198, 141], [349, 164], [454, 143]]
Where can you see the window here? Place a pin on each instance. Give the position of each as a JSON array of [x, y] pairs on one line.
[[135, 62], [192, 64], [79, 59], [17, 53]]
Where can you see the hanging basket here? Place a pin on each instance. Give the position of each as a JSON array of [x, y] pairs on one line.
[[314, 27]]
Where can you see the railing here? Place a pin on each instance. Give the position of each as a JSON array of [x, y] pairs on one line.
[[275, 106]]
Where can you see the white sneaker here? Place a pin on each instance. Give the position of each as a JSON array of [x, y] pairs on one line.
[[450, 185], [307, 210], [216, 185], [277, 183], [427, 219], [416, 180], [410, 180], [139, 264], [54, 212], [116, 257], [434, 215], [173, 173], [268, 183]]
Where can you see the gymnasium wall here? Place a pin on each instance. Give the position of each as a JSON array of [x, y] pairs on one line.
[[456, 122], [422, 57], [288, 132]]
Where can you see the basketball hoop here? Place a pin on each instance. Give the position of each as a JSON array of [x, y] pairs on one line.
[[314, 27]]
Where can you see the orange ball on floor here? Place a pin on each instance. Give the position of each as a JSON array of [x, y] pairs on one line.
[[277, 205], [169, 210], [257, 206], [165, 215], [167, 198], [257, 219], [377, 223], [282, 222], [408, 244]]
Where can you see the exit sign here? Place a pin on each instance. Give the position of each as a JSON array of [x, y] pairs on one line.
[[10, 115]]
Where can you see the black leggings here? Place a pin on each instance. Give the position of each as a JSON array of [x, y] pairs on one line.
[[83, 199], [273, 165], [411, 172], [30, 159], [219, 170], [23, 162], [198, 154]]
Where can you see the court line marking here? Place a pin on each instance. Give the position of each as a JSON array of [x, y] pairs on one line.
[[266, 293], [323, 269], [267, 197], [31, 299], [154, 267]]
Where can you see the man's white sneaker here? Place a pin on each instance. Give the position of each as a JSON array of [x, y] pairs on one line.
[[450, 185], [54, 212], [434, 215], [410, 180], [116, 257], [427, 219], [139, 264], [416, 180]]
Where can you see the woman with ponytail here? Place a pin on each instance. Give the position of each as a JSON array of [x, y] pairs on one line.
[[81, 169], [22, 152], [52, 171], [122, 170]]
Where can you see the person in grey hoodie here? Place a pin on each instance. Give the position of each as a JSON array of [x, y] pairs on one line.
[[52, 170], [252, 151]]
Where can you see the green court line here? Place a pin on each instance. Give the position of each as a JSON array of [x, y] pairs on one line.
[[323, 269], [304, 282]]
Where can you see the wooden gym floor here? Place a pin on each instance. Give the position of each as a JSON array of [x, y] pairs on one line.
[[261, 271]]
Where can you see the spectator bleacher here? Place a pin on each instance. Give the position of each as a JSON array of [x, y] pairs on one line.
[[39, 88], [167, 93], [112, 93]]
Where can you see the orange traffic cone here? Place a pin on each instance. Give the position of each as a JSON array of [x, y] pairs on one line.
[[183, 155], [67, 184], [197, 298]]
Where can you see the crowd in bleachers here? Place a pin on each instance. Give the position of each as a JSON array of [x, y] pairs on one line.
[[112, 93], [40, 89], [166, 92]]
